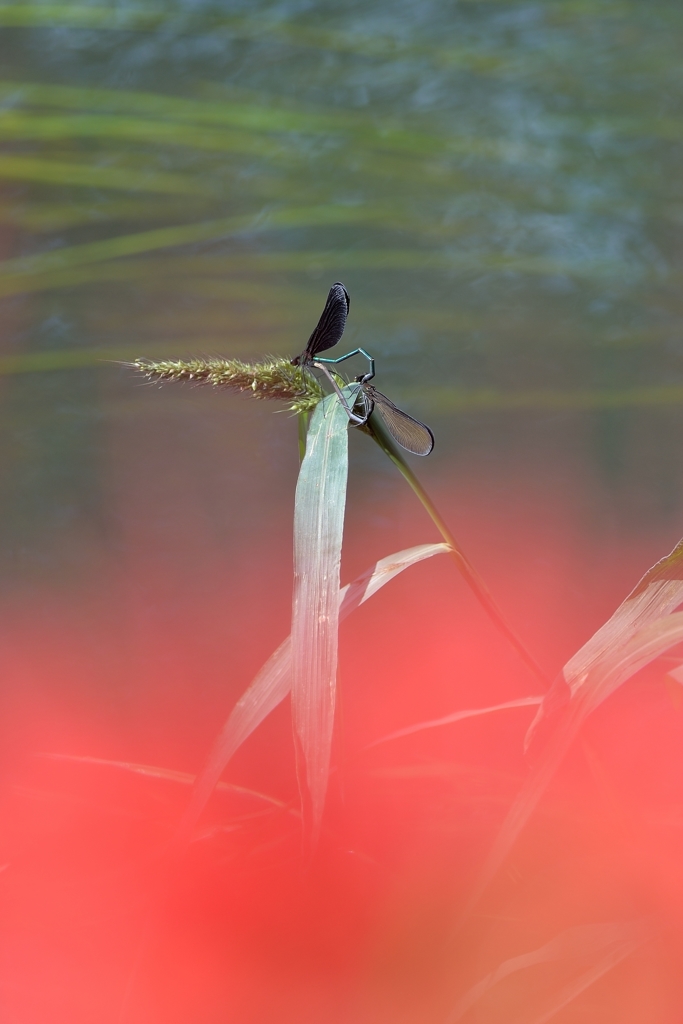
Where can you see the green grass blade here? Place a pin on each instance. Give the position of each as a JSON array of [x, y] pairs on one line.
[[318, 533], [606, 944], [657, 594], [649, 643], [456, 716], [16, 274], [152, 771], [252, 118], [58, 172], [380, 434], [72, 16], [625, 660], [614, 955], [641, 629], [273, 682], [57, 127], [46, 270]]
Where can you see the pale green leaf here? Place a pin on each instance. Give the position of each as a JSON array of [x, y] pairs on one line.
[[16, 274], [318, 533], [91, 175], [166, 774], [273, 682], [604, 944], [456, 716], [657, 594], [641, 629]]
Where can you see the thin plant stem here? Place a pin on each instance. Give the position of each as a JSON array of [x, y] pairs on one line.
[[379, 433], [302, 418]]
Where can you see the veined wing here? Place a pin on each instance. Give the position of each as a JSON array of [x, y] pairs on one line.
[[412, 435], [330, 326]]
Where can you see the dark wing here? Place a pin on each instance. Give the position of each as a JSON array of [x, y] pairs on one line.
[[330, 325], [412, 435]]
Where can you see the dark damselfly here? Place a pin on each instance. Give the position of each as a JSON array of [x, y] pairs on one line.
[[411, 434], [328, 332], [408, 432]]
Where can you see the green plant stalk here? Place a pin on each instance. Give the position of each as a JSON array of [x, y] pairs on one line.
[[303, 432], [379, 433]]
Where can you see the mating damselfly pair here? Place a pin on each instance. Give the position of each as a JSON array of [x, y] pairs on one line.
[[412, 435]]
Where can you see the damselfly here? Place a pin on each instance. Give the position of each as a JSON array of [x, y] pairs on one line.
[[329, 330], [411, 434]]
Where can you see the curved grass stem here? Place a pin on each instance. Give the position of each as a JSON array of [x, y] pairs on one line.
[[302, 419], [378, 432]]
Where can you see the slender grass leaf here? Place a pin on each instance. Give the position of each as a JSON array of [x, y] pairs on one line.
[[389, 136], [16, 273], [457, 716], [168, 775], [377, 429], [46, 270], [318, 533], [606, 944], [617, 667], [641, 629], [262, 117], [50, 128], [657, 594], [38, 217], [57, 172], [274, 681], [574, 989], [29, 15]]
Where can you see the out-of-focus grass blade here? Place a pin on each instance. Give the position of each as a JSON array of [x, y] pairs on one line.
[[613, 956], [641, 629], [457, 716], [657, 594], [251, 116], [272, 684], [389, 136], [29, 15], [42, 217], [318, 533], [605, 944], [17, 274], [25, 126], [58, 268], [373, 579], [167, 774], [58, 172]]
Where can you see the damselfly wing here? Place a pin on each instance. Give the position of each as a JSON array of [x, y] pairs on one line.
[[412, 435], [330, 326]]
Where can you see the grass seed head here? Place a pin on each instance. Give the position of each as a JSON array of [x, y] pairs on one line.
[[273, 378]]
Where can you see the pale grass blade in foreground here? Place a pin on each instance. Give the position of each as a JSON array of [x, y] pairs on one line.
[[318, 535], [457, 716], [641, 629], [605, 944], [272, 684], [152, 771], [657, 594]]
